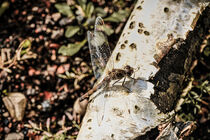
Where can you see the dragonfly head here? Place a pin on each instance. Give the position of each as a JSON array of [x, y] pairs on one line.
[[129, 70]]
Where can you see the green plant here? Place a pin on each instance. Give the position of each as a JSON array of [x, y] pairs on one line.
[[83, 14], [4, 6], [23, 52], [47, 134]]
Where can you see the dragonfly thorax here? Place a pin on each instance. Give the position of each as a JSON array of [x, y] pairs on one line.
[[116, 74]]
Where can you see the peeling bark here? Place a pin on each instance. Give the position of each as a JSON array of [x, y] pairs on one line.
[[159, 41]]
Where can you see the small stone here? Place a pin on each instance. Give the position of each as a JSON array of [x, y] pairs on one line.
[[48, 20], [33, 100], [31, 114], [54, 45], [51, 69], [6, 114], [57, 33], [24, 13], [65, 21], [16, 12], [46, 106], [44, 27], [56, 16], [66, 67], [63, 95], [62, 58], [34, 9], [52, 1], [77, 60], [48, 30], [30, 17], [6, 130], [14, 136], [60, 70], [53, 56], [30, 91], [38, 30], [31, 71], [39, 107], [15, 102], [10, 125], [1, 129]]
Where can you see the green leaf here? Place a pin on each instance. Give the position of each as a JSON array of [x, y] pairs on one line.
[[71, 49], [64, 9], [100, 12], [89, 10], [108, 30], [26, 43], [71, 31], [82, 3], [118, 16], [25, 46], [4, 6], [207, 51]]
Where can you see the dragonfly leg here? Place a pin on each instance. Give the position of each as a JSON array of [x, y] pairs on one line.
[[123, 84], [86, 95], [116, 82]]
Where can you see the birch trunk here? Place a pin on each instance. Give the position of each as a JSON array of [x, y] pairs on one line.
[[158, 41]]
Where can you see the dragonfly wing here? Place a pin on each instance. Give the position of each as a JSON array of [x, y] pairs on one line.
[[99, 48], [102, 41], [95, 56]]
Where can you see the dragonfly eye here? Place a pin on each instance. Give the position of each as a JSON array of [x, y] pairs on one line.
[[128, 69]]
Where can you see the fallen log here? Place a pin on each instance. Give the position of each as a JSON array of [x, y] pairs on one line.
[[159, 41]]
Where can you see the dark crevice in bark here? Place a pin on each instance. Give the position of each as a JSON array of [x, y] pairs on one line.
[[175, 65], [150, 135]]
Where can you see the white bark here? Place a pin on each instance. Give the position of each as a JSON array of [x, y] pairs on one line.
[[151, 31]]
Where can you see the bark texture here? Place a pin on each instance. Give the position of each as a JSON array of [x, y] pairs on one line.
[[159, 42]]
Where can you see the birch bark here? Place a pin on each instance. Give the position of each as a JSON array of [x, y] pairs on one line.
[[159, 42]]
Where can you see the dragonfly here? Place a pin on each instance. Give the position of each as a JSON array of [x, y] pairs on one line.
[[100, 54]]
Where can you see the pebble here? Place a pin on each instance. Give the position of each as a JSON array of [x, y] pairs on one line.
[[46, 106], [53, 56], [24, 13], [48, 30], [31, 71], [34, 9], [30, 17], [48, 20], [51, 69], [56, 16], [14, 136], [15, 103], [30, 91], [65, 21], [62, 58], [57, 33], [38, 29], [31, 114], [33, 100], [60, 70], [6, 130], [77, 60], [6, 114], [54, 45], [63, 95], [39, 107], [1, 129]]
